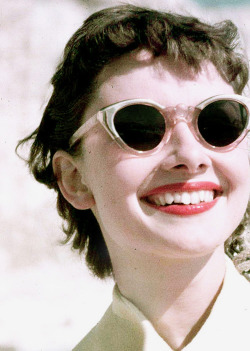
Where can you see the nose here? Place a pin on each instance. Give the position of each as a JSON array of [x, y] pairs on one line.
[[185, 152]]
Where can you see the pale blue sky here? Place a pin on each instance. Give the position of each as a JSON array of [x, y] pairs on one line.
[[221, 3]]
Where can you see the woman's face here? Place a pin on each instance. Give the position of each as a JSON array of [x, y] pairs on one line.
[[120, 181]]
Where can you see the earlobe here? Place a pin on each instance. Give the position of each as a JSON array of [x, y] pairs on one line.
[[70, 182]]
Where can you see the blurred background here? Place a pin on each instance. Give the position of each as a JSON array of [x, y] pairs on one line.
[[48, 299]]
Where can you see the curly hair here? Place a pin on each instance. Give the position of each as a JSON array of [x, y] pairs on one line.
[[103, 37]]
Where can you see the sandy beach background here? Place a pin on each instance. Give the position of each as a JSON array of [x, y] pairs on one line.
[[48, 299]]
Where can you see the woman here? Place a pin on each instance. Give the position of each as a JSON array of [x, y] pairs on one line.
[[144, 141]]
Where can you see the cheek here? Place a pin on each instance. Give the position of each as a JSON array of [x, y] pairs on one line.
[[114, 178], [111, 172], [114, 186], [114, 181], [241, 172], [238, 177], [234, 168]]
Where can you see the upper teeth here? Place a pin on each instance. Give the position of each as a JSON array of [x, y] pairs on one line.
[[186, 198]]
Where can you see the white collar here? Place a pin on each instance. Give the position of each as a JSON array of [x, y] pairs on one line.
[[226, 328]]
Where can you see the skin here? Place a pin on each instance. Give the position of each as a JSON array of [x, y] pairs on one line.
[[162, 258]]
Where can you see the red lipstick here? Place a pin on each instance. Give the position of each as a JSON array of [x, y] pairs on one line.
[[180, 208]]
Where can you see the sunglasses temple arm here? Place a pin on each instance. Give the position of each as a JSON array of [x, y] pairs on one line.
[[83, 130]]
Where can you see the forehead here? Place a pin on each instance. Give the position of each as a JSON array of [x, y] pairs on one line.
[[130, 64], [140, 75]]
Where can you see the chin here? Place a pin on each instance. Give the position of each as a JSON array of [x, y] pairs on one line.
[[194, 243]]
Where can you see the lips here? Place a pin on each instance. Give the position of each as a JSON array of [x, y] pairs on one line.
[[184, 198]]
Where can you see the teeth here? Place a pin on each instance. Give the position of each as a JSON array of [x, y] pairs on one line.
[[208, 196], [169, 198], [195, 198], [202, 195], [177, 198], [157, 202], [162, 200], [186, 198]]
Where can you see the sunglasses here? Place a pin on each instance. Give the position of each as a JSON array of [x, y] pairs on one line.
[[143, 126]]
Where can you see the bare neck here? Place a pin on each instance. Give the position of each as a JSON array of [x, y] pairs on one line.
[[175, 295]]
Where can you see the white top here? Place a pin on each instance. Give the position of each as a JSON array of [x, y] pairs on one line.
[[124, 327]]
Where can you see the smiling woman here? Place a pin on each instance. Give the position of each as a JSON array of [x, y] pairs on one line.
[[144, 141]]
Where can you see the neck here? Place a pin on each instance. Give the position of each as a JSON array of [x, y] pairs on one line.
[[176, 295]]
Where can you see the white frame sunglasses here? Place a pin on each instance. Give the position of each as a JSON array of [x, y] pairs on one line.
[[171, 115]]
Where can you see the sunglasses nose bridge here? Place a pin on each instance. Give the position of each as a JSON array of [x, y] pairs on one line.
[[180, 113]]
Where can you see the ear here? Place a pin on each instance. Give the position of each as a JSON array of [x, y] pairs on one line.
[[69, 180]]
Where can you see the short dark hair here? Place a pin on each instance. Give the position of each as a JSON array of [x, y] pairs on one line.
[[103, 37]]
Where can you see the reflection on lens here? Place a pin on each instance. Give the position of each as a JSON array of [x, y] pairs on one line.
[[141, 127], [222, 122]]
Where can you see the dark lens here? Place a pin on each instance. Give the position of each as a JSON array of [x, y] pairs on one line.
[[141, 127], [222, 122]]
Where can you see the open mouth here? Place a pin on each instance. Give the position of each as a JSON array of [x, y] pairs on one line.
[[184, 198]]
